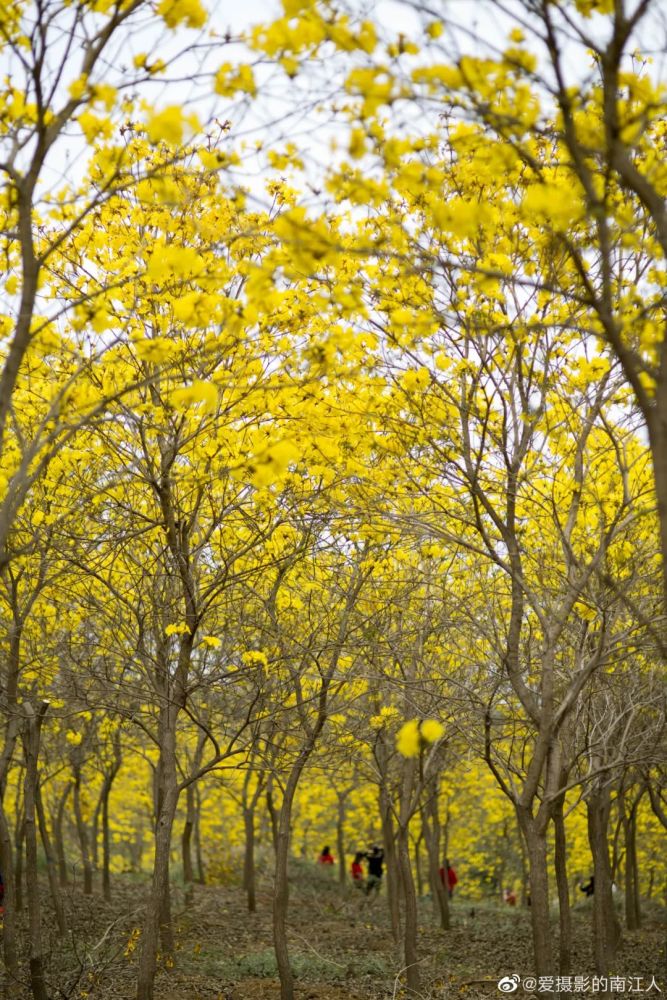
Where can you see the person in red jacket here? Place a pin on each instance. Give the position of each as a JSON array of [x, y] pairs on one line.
[[448, 877], [325, 858], [357, 871]]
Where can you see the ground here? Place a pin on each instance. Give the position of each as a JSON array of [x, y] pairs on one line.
[[340, 945]]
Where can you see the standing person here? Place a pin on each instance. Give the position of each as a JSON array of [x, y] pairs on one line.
[[325, 858], [589, 888], [2, 895], [357, 871], [449, 878], [375, 859]]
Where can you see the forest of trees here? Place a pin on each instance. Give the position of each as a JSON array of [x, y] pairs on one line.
[[333, 463]]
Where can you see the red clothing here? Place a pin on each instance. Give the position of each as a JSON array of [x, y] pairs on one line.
[[326, 859], [357, 872], [451, 878]]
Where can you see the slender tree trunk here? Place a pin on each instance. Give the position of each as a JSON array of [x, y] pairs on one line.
[[106, 840], [190, 821], [18, 869], [186, 844], [157, 907], [391, 863], [635, 865], [656, 420], [249, 858], [411, 958], [417, 844], [536, 849], [167, 942], [340, 838], [82, 832], [51, 865], [31, 743], [606, 930], [273, 812], [281, 884], [9, 949], [564, 915], [431, 828], [58, 836], [201, 874], [95, 831]]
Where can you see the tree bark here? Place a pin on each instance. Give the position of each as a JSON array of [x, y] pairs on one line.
[[273, 812], [249, 858], [536, 849], [411, 958], [391, 863], [281, 884], [431, 828], [629, 821], [564, 915], [201, 873], [9, 949], [31, 743], [186, 844], [606, 929], [51, 865], [417, 843], [106, 838], [58, 836], [81, 829], [340, 837], [158, 910], [18, 869]]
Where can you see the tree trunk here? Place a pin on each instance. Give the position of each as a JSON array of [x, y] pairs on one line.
[[389, 844], [186, 844], [51, 865], [431, 828], [58, 837], [82, 832], [201, 874], [106, 840], [31, 743], [18, 869], [340, 838], [629, 822], [281, 884], [635, 865], [273, 812], [411, 959], [418, 863], [10, 954], [249, 858], [564, 915], [536, 849], [95, 831], [656, 420], [606, 930], [158, 909]]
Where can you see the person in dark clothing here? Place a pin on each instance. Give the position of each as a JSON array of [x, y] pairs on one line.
[[588, 888], [2, 894], [375, 858]]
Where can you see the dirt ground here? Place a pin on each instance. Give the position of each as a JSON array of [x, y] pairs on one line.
[[340, 946]]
